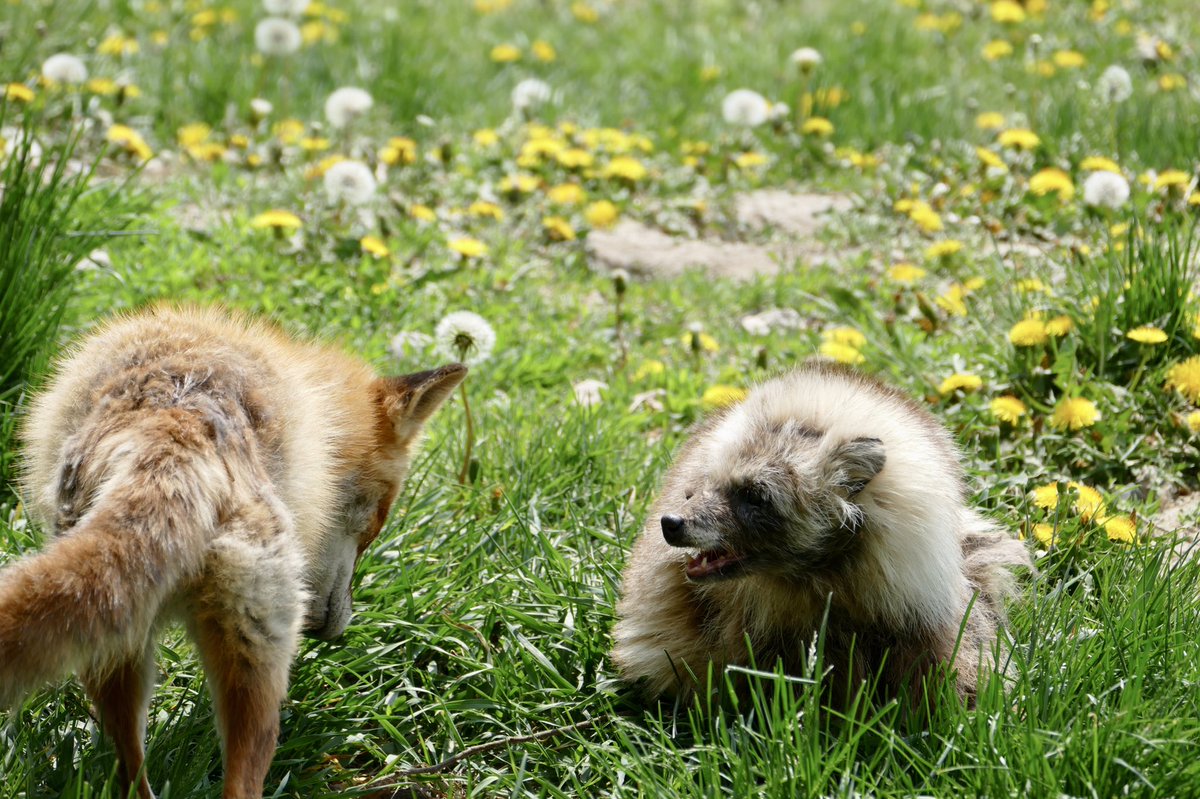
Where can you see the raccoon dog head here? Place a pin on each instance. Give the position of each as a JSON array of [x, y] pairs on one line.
[[402, 406], [779, 500]]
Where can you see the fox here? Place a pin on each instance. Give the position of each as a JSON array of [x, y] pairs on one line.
[[198, 465], [827, 501]]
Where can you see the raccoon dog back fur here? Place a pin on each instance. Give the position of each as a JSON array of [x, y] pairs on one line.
[[822, 488], [198, 465]]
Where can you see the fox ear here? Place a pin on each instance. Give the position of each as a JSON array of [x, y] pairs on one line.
[[854, 463], [409, 400]]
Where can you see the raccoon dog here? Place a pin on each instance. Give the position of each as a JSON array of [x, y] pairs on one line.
[[199, 466], [823, 492]]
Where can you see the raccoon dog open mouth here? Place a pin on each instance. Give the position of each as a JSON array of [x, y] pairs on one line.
[[713, 564]]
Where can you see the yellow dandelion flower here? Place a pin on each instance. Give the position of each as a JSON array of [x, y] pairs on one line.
[[953, 300], [990, 159], [1073, 413], [1008, 12], [1172, 82], [1069, 59], [130, 141], [1147, 334], [943, 249], [1019, 138], [276, 219], [1008, 409], [585, 13], [314, 144], [543, 51], [601, 214], [1044, 534], [483, 209], [558, 229], [518, 184], [210, 152], [422, 213], [1052, 179], [574, 158], [817, 126], [926, 218], [720, 396], [1046, 496], [1028, 333], [842, 353], [1032, 285], [960, 381], [399, 150], [288, 131], [997, 49], [1059, 326], [706, 342], [373, 245], [566, 194], [709, 73], [1098, 163], [505, 53], [468, 247], [1120, 529], [193, 134], [19, 93], [989, 120], [485, 137], [905, 273], [1171, 178], [1184, 377], [845, 335], [650, 368], [749, 160], [1089, 504], [1193, 421]]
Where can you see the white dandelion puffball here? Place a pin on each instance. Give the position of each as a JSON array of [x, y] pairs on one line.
[[285, 8], [465, 336], [64, 68], [350, 182], [261, 108], [347, 104], [530, 93], [745, 107], [409, 342], [588, 392], [277, 36], [1105, 190], [778, 111], [1115, 85], [806, 58]]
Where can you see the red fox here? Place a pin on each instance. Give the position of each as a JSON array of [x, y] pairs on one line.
[[197, 465]]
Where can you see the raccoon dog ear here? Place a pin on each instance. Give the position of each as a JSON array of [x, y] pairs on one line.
[[409, 400], [854, 463]]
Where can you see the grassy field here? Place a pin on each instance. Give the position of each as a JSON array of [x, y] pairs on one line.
[[1048, 317]]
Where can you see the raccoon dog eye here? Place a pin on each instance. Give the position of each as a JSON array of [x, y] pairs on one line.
[[753, 496]]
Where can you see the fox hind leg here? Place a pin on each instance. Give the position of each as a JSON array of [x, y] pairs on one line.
[[121, 696], [246, 623]]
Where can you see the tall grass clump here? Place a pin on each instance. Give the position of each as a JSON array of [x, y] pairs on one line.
[[51, 216]]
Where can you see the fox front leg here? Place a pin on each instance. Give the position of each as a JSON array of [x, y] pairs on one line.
[[121, 696], [246, 622]]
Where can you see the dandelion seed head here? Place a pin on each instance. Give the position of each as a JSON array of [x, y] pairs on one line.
[[465, 336], [64, 68], [1115, 85], [745, 107], [346, 104], [350, 182], [1105, 190], [277, 36], [530, 93]]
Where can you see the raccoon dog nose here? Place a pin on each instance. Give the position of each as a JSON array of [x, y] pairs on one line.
[[672, 528]]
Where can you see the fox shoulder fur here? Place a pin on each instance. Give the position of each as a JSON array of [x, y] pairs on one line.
[[199, 465], [825, 497]]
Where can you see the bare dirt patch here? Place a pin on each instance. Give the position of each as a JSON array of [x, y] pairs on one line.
[[648, 252]]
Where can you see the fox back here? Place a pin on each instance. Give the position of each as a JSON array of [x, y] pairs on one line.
[[195, 464]]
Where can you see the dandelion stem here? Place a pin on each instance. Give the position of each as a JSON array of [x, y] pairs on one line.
[[466, 464]]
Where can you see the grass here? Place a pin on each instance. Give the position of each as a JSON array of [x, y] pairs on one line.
[[483, 612]]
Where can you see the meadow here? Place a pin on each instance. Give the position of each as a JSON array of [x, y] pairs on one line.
[[1019, 251]]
